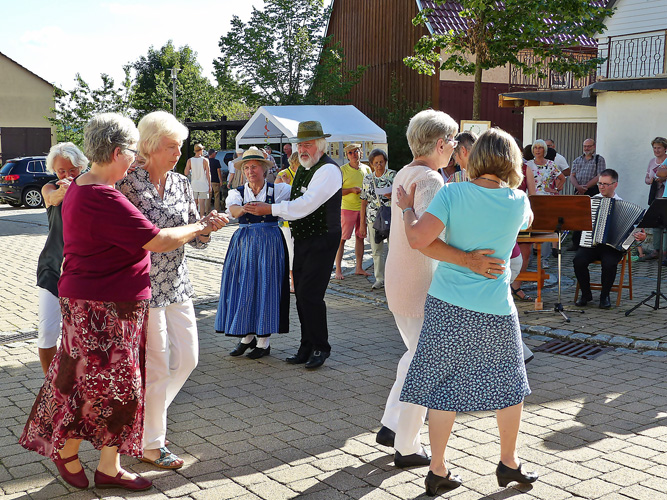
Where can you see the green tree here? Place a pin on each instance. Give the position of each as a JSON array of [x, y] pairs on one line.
[[277, 56], [74, 108], [497, 31]]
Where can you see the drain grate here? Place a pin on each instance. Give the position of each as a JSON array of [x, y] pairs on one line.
[[17, 337], [573, 349]]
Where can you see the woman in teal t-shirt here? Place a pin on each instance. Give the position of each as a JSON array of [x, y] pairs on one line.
[[469, 356]]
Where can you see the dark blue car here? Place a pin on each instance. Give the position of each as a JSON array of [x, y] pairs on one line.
[[21, 181]]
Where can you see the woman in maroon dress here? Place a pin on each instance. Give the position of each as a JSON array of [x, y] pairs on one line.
[[94, 389]]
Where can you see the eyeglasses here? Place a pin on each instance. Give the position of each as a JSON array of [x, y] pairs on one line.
[[452, 141], [133, 151], [606, 184]]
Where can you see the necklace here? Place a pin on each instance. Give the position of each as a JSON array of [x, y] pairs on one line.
[[489, 179]]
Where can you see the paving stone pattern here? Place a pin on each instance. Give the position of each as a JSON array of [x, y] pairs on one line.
[[268, 430]]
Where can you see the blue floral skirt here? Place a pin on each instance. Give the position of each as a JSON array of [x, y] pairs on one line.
[[466, 361], [254, 292]]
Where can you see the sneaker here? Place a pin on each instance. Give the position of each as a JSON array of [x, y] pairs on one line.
[[378, 284]]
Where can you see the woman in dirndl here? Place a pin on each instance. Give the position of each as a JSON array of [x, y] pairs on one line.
[[469, 356], [254, 292], [94, 389]]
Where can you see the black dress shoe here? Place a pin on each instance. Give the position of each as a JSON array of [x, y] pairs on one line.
[[301, 356], [385, 437], [585, 299], [605, 302], [241, 347], [434, 483], [316, 359], [258, 352], [506, 475], [414, 460]]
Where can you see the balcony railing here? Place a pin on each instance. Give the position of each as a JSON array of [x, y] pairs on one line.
[[553, 81], [640, 55]]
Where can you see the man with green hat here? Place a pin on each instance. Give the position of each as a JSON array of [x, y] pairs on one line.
[[313, 212]]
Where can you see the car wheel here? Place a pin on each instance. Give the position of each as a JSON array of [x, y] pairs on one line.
[[32, 198], [14, 203]]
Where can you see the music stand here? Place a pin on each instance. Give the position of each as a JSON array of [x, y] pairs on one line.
[[557, 214], [655, 218]]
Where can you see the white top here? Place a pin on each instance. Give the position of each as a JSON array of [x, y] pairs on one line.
[[616, 196], [326, 182], [561, 162], [281, 191], [198, 177]]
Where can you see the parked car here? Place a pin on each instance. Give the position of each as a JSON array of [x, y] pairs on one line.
[[21, 181]]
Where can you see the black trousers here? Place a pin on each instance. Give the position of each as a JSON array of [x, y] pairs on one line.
[[313, 260], [610, 257], [576, 235]]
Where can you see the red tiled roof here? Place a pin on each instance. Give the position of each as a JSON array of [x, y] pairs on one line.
[[446, 17]]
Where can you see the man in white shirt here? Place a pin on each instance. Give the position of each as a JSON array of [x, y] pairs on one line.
[[559, 160], [608, 256], [230, 167], [314, 215]]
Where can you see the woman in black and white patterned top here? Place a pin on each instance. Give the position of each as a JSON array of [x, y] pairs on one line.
[[172, 348]]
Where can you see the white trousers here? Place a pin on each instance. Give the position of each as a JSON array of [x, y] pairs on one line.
[[405, 419], [48, 312], [172, 352], [377, 251], [290, 244]]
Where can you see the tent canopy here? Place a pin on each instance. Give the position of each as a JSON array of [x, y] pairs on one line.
[[280, 123]]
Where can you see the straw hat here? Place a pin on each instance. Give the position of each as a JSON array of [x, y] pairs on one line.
[[252, 153], [352, 147], [309, 131]]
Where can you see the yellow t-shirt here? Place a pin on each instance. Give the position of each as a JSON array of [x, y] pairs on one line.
[[353, 177]]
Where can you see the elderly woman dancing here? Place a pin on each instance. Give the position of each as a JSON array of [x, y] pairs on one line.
[[469, 356], [165, 198], [94, 389], [66, 161], [254, 293], [431, 138]]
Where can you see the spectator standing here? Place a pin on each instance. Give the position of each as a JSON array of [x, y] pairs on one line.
[[353, 176], [287, 153], [584, 176], [216, 177], [656, 174], [232, 180], [200, 178], [559, 159]]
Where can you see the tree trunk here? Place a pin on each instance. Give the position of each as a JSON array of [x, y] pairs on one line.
[[477, 92]]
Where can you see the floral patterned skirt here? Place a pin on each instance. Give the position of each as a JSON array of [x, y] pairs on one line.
[[94, 389], [466, 360]]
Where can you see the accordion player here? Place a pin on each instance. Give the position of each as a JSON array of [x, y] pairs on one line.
[[614, 221]]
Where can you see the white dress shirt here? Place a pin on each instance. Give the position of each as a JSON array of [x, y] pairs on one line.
[[561, 162], [326, 182]]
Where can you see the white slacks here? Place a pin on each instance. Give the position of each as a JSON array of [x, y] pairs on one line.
[[172, 352], [405, 419], [48, 311], [377, 251]]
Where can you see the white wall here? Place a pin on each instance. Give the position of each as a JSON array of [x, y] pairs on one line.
[[532, 115], [636, 16], [627, 122]]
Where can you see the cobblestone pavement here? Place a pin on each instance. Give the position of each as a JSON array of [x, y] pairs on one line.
[[265, 429]]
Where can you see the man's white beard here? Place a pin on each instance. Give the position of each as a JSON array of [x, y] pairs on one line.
[[309, 162]]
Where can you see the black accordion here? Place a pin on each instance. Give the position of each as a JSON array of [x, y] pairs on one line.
[[613, 223]]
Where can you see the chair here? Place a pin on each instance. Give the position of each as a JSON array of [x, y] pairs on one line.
[[626, 261]]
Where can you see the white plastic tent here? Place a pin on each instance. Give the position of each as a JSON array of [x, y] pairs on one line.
[[280, 123]]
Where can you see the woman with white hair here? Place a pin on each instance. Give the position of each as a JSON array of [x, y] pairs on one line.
[[165, 198], [254, 292], [549, 180], [66, 161], [94, 389], [469, 356], [409, 272]]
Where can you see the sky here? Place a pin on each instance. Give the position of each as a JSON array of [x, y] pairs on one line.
[[57, 39]]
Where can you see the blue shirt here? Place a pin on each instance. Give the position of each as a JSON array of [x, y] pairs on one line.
[[476, 218]]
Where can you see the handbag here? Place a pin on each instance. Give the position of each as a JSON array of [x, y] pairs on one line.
[[382, 223]]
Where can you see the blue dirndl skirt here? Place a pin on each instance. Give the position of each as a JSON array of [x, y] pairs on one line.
[[254, 292]]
